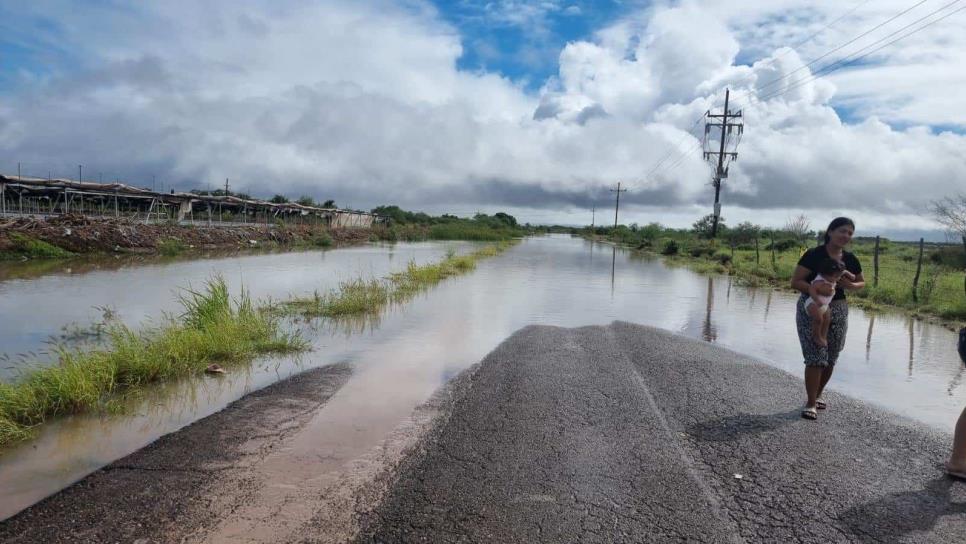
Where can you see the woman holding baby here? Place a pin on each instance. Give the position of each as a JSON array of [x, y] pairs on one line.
[[823, 323]]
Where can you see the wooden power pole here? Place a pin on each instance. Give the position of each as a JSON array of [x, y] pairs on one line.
[[721, 171], [617, 205]]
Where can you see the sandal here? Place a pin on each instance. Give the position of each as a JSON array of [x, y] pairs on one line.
[[957, 474], [809, 413], [820, 404]]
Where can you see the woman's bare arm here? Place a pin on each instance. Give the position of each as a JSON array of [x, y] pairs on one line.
[[798, 279]]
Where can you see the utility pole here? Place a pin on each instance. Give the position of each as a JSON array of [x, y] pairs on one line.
[[617, 205], [721, 172], [80, 172], [593, 216], [226, 186]]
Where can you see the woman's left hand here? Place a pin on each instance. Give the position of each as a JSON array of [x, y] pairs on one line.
[[857, 283]]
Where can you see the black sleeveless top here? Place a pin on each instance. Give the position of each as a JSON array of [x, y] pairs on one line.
[[812, 260]]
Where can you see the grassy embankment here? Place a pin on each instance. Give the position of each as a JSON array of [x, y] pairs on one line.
[[371, 296], [940, 291], [25, 247], [213, 328]]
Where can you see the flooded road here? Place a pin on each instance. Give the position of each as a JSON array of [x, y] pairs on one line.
[[907, 366]]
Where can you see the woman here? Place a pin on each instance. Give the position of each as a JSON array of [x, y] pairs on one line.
[[820, 360], [956, 466]]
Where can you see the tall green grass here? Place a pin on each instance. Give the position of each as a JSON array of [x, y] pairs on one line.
[[939, 293], [212, 328], [371, 296], [25, 246]]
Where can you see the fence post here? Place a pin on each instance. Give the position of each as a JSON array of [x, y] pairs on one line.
[[964, 277], [757, 261], [875, 264], [773, 262], [915, 281]]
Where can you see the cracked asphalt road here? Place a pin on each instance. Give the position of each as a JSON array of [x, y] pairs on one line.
[[629, 433]]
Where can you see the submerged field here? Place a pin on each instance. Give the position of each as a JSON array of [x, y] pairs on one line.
[[940, 291], [212, 328]]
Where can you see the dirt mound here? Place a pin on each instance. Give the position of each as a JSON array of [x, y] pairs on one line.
[[80, 234]]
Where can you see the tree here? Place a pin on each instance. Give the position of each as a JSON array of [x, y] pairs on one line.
[[279, 199], [799, 227], [506, 219], [950, 212], [702, 227], [329, 204], [305, 201], [651, 231], [743, 233]]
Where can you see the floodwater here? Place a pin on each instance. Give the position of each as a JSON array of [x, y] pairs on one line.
[[907, 366]]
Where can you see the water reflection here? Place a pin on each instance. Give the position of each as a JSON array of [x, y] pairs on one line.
[[141, 290], [613, 267], [868, 337], [708, 331], [912, 344], [401, 356]]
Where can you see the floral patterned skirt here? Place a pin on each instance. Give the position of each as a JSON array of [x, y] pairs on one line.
[[814, 354]]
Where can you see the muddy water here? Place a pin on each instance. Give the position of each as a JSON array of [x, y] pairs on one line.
[[64, 305], [907, 366]]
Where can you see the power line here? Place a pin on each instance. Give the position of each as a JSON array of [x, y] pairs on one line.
[[853, 40], [845, 61], [682, 155], [675, 147], [817, 33]]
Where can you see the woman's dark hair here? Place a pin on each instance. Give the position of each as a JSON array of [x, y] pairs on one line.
[[836, 223]]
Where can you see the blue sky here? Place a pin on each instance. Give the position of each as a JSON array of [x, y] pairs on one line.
[[522, 40]]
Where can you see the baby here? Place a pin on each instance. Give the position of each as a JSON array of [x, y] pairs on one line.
[[816, 304]]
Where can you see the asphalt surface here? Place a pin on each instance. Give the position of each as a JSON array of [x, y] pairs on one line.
[[182, 483], [632, 434]]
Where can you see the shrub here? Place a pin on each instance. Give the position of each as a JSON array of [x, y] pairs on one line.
[[723, 258], [782, 245], [701, 250], [953, 257], [171, 247], [670, 248]]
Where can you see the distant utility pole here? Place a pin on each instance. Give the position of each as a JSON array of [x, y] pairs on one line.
[[617, 205], [80, 172], [593, 216], [721, 172], [226, 186]]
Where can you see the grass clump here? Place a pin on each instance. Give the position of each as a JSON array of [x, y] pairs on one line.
[[350, 298], [31, 248], [369, 297], [171, 247], [212, 328]]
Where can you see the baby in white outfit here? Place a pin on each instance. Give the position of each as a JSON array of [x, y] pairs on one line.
[[817, 304]]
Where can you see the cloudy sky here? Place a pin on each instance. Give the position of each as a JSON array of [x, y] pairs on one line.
[[536, 107]]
